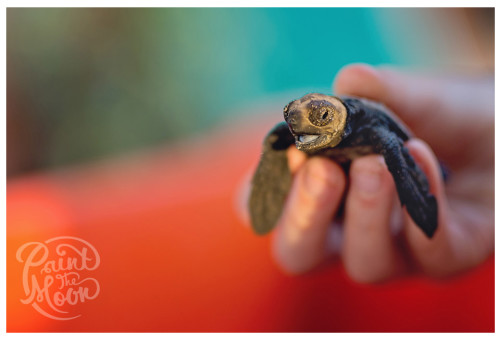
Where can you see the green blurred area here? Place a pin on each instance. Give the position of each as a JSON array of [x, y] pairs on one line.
[[84, 84]]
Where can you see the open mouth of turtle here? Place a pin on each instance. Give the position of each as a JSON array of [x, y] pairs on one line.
[[308, 140]]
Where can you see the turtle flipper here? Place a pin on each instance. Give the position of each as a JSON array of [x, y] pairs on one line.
[[271, 181], [411, 182]]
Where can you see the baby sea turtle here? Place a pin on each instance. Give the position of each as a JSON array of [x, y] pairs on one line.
[[340, 128]]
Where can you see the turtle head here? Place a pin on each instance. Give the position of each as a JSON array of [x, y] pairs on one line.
[[316, 121]]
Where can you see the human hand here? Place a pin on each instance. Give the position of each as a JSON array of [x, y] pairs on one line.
[[455, 116]]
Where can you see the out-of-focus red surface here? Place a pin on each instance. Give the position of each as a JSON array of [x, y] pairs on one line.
[[175, 256]]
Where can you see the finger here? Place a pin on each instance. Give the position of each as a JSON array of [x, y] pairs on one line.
[[428, 100], [296, 159], [410, 98], [417, 94], [299, 243], [369, 251], [450, 249], [361, 80], [410, 95], [413, 98]]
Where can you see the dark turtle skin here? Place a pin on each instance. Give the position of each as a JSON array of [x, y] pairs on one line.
[[341, 128]]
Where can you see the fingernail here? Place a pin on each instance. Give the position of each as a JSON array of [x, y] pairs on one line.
[[368, 180], [318, 180]]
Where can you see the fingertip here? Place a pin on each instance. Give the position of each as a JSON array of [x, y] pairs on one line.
[[296, 158], [360, 80], [322, 178], [370, 178], [428, 251], [429, 164], [426, 159]]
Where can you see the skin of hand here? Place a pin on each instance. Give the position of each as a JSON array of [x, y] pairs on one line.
[[455, 117]]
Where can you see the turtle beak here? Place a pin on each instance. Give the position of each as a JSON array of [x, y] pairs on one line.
[[294, 122], [291, 121]]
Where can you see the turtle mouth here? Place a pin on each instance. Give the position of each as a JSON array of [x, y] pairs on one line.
[[309, 141], [307, 138]]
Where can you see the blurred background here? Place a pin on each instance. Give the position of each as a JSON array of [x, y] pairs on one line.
[[133, 129], [86, 84]]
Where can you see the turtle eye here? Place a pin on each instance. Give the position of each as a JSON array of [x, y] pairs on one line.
[[321, 116]]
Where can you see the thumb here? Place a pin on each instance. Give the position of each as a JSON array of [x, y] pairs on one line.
[[412, 97], [425, 102]]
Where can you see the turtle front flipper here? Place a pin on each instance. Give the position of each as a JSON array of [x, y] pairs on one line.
[[411, 182], [271, 181]]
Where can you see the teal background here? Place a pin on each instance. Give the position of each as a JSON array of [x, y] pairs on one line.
[[84, 84]]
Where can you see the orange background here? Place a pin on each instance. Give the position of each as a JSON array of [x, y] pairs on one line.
[[176, 257]]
